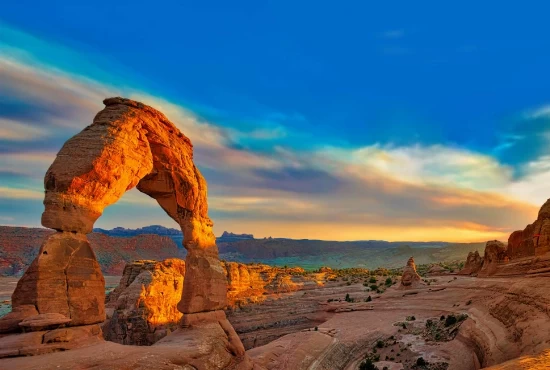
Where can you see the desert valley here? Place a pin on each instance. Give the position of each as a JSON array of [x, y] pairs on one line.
[[75, 297]]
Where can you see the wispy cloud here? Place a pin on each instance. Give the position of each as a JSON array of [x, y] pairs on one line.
[[14, 193], [414, 192], [18, 131], [393, 34], [540, 112]]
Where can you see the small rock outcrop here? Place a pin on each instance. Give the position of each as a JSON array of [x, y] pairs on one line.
[[143, 307], [495, 253], [534, 240], [410, 278], [437, 270], [252, 283], [473, 264]]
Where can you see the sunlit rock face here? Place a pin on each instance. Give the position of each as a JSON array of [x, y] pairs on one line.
[[64, 278], [473, 264], [143, 308], [254, 282], [534, 240], [495, 253], [410, 277]]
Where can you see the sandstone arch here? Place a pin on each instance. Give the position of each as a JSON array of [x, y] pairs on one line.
[[128, 144]]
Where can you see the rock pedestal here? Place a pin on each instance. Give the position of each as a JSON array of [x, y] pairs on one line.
[[410, 277], [495, 253], [65, 278], [473, 264]]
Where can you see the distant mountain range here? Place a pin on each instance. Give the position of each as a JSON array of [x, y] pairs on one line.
[[175, 234], [115, 247]]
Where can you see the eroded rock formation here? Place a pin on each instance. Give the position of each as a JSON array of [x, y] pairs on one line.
[[410, 277], [143, 307], [473, 264], [534, 240], [495, 253], [252, 283], [128, 144], [64, 278]]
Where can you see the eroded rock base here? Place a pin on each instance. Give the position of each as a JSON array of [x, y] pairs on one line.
[[47, 341]]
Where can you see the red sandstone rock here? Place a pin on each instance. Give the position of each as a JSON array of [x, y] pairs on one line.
[[495, 253], [44, 321], [473, 264], [251, 283], [410, 277], [144, 305], [10, 322], [534, 240], [65, 278], [145, 302], [129, 144]]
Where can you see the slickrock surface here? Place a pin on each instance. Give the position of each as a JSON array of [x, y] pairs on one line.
[[539, 361], [507, 318], [410, 278], [202, 347], [473, 264], [20, 245]]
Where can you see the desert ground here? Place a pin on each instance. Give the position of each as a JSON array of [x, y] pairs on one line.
[[317, 328]]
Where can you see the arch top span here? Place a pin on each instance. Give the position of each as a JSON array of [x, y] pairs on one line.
[[128, 144]]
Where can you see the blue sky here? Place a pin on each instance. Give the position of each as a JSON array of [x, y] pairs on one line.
[[360, 120]]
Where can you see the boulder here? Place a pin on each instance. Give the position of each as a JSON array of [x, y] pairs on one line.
[[66, 279], [495, 253], [144, 304], [437, 270], [473, 264]]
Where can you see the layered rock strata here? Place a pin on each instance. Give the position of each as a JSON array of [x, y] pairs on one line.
[[534, 240]]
